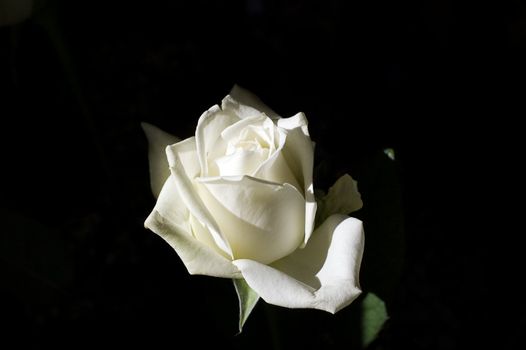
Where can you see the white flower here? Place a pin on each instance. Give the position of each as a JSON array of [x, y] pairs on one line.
[[237, 201]]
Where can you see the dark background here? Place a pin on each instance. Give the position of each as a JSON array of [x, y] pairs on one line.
[[436, 80]]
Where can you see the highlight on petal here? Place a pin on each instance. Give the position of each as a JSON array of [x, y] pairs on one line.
[[157, 142], [247, 98], [343, 198], [263, 221], [296, 121], [169, 219], [324, 275]]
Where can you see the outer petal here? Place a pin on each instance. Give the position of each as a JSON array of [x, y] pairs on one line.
[[343, 198], [192, 201], [246, 98], [299, 154], [296, 121], [231, 105], [324, 275], [157, 142], [262, 221], [187, 153], [169, 219]]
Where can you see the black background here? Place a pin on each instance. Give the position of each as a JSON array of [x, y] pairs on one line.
[[435, 80]]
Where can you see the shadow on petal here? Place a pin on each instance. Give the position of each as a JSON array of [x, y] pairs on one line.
[[311, 263], [324, 275]]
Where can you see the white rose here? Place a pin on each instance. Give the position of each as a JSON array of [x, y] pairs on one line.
[[237, 201]]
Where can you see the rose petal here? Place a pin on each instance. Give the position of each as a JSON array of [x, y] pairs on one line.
[[299, 154], [241, 162], [299, 149], [324, 275], [261, 220], [343, 198], [169, 219], [203, 235], [170, 206], [231, 105], [209, 142], [157, 142], [276, 169], [235, 129], [245, 97], [192, 201], [298, 120], [186, 151], [273, 168]]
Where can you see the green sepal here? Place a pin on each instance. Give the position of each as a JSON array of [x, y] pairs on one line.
[[248, 298], [373, 317]]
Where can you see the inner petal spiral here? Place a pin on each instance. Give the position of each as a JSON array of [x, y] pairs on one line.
[[249, 144]]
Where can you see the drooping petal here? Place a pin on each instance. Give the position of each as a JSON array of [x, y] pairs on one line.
[[324, 275], [209, 142], [169, 219], [245, 97], [343, 198], [193, 202], [263, 221], [299, 154], [157, 142]]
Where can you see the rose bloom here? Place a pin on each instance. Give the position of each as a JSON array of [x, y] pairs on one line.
[[237, 201]]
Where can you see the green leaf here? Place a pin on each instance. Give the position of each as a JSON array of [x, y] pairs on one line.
[[373, 317], [247, 300]]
